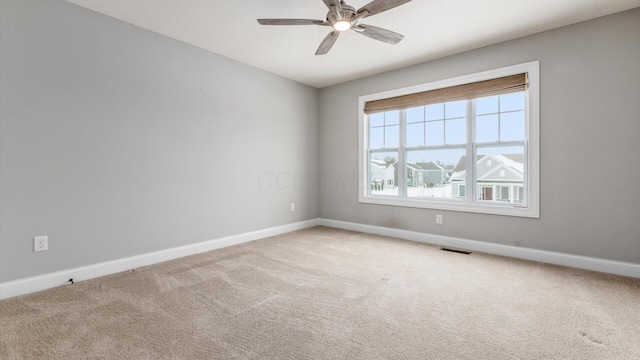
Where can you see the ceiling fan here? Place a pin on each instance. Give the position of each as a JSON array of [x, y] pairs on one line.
[[342, 17]]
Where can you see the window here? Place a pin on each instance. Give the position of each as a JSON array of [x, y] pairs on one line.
[[435, 139], [518, 194], [502, 193]]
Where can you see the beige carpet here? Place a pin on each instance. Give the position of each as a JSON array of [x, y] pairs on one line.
[[323, 293]]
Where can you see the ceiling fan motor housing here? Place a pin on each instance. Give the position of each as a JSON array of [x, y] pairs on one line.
[[347, 13]]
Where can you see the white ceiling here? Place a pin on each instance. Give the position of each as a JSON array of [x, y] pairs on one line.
[[432, 29]]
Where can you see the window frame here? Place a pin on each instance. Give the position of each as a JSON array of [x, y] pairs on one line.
[[531, 161]]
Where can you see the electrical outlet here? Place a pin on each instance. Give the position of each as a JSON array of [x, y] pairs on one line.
[[40, 243], [293, 207], [439, 219]]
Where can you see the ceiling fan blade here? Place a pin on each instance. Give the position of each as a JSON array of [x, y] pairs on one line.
[[378, 6], [291, 22], [331, 3], [327, 43], [379, 34]]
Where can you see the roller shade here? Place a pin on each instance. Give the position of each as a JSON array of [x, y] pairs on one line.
[[503, 85]]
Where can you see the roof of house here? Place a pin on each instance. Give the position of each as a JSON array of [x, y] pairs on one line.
[[413, 166], [509, 159], [431, 165], [381, 163], [513, 161]]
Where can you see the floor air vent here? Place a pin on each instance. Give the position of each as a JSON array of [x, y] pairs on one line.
[[456, 251]]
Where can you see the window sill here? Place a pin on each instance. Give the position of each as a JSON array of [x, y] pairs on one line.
[[453, 205]]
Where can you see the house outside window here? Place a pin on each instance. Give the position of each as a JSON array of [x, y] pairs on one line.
[[442, 141]]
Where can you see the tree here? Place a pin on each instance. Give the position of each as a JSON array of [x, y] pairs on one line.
[[389, 160]]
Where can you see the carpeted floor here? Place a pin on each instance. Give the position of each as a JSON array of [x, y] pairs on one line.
[[323, 293]]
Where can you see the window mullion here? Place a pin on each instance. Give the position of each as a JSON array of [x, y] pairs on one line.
[[402, 161], [367, 142], [470, 153]]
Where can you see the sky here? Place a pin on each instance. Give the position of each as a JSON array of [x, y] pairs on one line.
[[498, 118]]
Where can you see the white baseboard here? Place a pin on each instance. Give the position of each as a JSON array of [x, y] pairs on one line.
[[59, 278], [46, 281], [576, 261]]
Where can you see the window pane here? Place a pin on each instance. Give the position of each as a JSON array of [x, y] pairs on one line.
[[456, 131], [415, 114], [515, 151], [376, 119], [435, 133], [376, 138], [435, 111], [415, 134], [432, 172], [512, 126], [513, 101], [487, 128], [498, 168], [456, 109], [392, 117], [391, 136], [487, 105], [382, 173]]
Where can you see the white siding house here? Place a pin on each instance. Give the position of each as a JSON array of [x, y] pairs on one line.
[[499, 178]]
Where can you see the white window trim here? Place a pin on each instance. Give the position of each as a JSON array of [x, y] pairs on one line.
[[532, 161]]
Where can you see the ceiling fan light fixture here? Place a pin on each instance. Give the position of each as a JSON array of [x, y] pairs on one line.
[[342, 25]]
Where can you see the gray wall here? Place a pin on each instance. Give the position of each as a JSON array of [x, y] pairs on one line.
[[116, 141], [590, 92]]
